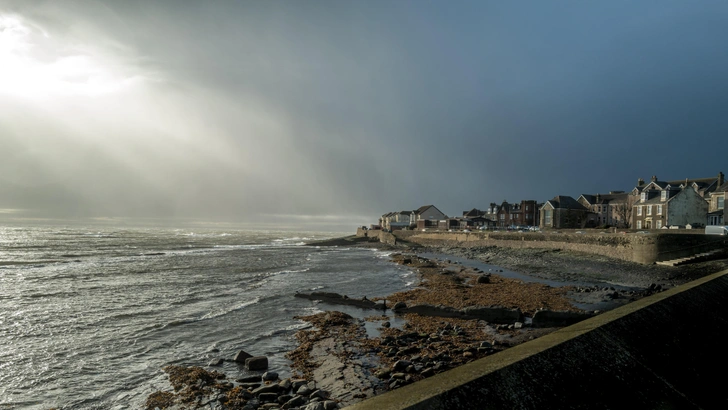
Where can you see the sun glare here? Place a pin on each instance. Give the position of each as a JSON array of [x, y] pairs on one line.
[[35, 65]]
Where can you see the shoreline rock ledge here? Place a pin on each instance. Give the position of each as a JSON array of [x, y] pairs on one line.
[[335, 298]]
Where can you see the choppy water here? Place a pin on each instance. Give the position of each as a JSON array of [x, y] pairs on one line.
[[89, 315]]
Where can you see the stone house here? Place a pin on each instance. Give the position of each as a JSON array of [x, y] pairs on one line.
[[492, 213], [525, 213], [565, 212], [613, 209], [705, 188], [530, 215], [506, 215], [717, 212], [671, 206]]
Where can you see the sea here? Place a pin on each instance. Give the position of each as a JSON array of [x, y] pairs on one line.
[[89, 315]]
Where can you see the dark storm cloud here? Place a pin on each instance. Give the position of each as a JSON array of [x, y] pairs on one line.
[[358, 108]]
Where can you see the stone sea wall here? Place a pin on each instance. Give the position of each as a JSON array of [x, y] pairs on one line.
[[633, 247]]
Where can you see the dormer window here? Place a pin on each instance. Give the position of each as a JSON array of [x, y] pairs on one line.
[[643, 196], [663, 196]]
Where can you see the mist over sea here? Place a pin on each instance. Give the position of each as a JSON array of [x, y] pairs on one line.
[[90, 315]]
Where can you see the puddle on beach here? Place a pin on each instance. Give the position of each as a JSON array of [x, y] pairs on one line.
[[372, 327]]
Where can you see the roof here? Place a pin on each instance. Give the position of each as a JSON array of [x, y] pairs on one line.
[[422, 209], [605, 198], [703, 184], [473, 212], [565, 202], [426, 207]]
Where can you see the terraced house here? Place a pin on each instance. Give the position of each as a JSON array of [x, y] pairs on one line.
[[612, 209], [677, 203], [564, 212], [717, 212]]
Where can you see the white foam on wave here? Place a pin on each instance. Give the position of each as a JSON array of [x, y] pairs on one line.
[[223, 312], [382, 254], [281, 272]]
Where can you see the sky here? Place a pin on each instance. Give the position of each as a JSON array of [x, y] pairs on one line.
[[330, 113]]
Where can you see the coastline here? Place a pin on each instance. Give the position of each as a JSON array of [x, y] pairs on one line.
[[338, 359]]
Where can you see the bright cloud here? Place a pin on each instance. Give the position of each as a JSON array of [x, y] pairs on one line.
[[36, 65]]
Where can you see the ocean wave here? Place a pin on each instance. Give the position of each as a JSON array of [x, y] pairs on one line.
[[50, 295], [237, 307], [281, 272]]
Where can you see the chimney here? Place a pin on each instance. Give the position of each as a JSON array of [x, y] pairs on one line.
[[598, 198], [721, 178], [654, 178], [640, 182]]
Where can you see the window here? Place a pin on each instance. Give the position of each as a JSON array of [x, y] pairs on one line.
[[639, 211], [659, 209], [639, 224], [721, 202], [658, 224], [649, 209], [643, 196], [663, 196], [547, 217]]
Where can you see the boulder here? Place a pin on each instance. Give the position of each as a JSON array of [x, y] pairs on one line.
[[268, 397], [401, 365], [256, 363], [249, 379], [400, 376], [270, 376], [297, 383], [268, 388], [330, 405], [427, 372], [252, 385], [241, 356], [322, 394], [285, 384], [215, 362], [304, 391], [315, 406], [296, 401], [399, 306], [484, 279]]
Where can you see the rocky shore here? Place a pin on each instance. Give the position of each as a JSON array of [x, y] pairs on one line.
[[455, 315]]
